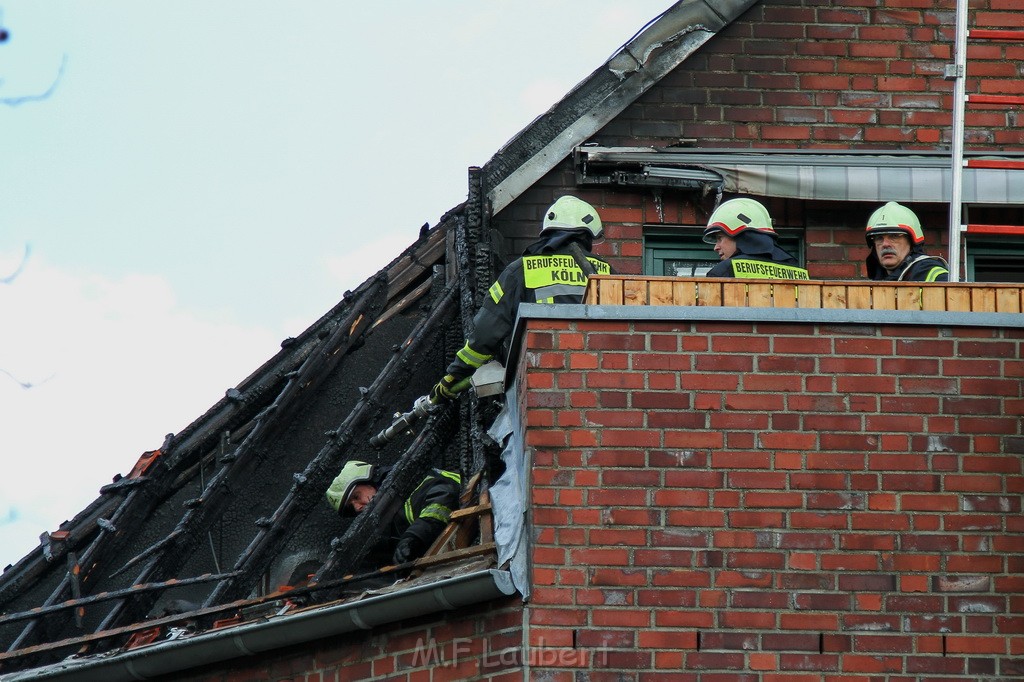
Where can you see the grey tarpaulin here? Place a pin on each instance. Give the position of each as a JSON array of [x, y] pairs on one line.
[[508, 494]]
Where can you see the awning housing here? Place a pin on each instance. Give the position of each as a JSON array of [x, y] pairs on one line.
[[838, 175]]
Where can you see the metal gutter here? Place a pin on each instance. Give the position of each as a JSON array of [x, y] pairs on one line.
[[215, 646]]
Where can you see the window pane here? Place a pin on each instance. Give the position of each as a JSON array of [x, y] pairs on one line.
[[995, 262], [1006, 269], [687, 268]]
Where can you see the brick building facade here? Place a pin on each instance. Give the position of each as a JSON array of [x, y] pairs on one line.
[[740, 501], [737, 501], [733, 498]]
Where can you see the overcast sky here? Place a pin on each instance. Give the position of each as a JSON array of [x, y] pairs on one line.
[[196, 181]]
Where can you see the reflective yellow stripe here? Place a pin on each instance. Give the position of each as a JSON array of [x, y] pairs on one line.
[[471, 357], [755, 269], [542, 271], [496, 292], [431, 511], [935, 272], [436, 511], [452, 475]]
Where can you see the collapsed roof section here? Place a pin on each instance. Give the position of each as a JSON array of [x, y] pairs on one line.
[[232, 506], [228, 510]]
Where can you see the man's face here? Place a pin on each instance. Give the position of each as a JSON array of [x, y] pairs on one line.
[[361, 496], [891, 249], [725, 246]]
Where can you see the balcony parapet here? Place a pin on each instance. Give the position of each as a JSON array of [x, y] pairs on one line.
[[646, 290]]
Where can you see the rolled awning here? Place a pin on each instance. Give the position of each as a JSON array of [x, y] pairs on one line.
[[804, 174]]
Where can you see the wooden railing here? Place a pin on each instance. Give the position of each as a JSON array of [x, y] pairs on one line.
[[761, 293]]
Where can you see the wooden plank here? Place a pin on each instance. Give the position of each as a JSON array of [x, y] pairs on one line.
[[883, 297], [684, 293], [468, 492], [759, 294], [709, 293], [475, 550], [487, 520], [661, 292], [958, 299], [933, 298], [441, 540], [401, 305], [833, 296], [784, 295], [734, 294], [983, 300], [413, 265], [858, 297], [808, 295], [1007, 300], [611, 292], [475, 510], [634, 292], [908, 298]]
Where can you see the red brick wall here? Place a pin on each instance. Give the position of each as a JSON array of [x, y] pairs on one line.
[[480, 643], [820, 73], [815, 74], [739, 502]]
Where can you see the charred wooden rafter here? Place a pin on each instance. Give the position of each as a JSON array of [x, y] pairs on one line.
[[165, 560], [373, 523], [309, 486]]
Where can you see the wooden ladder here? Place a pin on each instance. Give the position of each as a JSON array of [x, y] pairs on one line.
[[473, 517]]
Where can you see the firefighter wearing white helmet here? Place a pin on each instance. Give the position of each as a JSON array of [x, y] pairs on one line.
[[554, 269], [423, 516], [897, 248], [745, 242]]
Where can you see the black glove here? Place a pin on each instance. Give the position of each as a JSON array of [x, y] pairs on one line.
[[408, 549], [442, 390]]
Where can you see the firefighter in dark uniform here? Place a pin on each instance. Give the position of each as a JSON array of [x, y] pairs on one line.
[[421, 519], [897, 248], [745, 241], [547, 272]]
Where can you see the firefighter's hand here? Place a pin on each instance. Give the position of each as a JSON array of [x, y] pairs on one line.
[[443, 390], [405, 551]]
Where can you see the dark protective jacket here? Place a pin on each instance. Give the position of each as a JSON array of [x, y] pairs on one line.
[[427, 510], [758, 257], [545, 273], [916, 267]]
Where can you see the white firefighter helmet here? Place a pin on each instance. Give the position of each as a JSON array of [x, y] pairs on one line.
[[572, 213]]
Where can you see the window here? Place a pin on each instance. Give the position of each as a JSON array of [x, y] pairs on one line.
[[988, 262], [994, 257], [681, 252]]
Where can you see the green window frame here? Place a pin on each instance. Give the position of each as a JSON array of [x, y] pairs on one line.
[[681, 252], [989, 261]]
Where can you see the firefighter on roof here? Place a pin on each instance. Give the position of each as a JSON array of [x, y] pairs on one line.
[[897, 248], [745, 242], [547, 272], [421, 519]]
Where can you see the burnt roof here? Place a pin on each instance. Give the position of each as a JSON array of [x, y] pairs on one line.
[[209, 526]]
